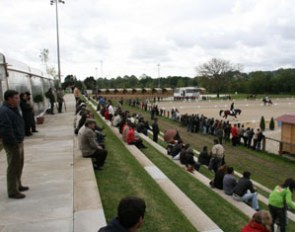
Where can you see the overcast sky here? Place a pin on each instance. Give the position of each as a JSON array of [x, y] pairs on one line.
[[125, 37]]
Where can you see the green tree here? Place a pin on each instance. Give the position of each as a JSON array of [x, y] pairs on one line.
[[272, 124], [90, 83], [262, 123], [217, 71]]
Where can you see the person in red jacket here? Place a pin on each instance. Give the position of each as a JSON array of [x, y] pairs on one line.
[[260, 222], [234, 134], [131, 139]]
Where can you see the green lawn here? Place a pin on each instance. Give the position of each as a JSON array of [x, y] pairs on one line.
[[267, 169], [123, 176], [199, 193]]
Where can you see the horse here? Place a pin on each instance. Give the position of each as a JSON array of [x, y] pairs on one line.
[[267, 102], [230, 113]]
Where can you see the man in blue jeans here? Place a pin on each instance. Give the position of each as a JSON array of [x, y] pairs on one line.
[[245, 192]]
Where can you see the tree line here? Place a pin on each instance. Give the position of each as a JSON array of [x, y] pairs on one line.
[[216, 76]]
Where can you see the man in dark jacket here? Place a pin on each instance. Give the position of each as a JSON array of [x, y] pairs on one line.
[[27, 112], [244, 191], [130, 216], [156, 130], [12, 132]]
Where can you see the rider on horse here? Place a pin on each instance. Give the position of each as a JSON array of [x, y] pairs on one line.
[[232, 108]]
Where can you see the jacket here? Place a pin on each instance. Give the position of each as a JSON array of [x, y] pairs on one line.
[[130, 137], [12, 127], [279, 196], [113, 226], [254, 227], [87, 142], [243, 185]]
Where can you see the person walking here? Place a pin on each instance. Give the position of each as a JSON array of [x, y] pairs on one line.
[[51, 98], [12, 132], [60, 99], [281, 198]]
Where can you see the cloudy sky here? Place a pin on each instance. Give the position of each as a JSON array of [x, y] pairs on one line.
[[125, 37]]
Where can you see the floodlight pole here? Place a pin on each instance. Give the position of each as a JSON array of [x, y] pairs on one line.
[[57, 36]]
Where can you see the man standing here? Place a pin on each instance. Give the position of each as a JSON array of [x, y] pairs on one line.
[[217, 156], [77, 93], [156, 130], [60, 99], [12, 132]]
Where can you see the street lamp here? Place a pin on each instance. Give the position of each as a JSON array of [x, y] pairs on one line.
[[57, 35]]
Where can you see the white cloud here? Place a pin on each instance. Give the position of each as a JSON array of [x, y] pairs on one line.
[[132, 37]]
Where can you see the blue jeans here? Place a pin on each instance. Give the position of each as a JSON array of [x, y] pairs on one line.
[[247, 197]]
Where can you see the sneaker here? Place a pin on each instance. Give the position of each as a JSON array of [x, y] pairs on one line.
[[23, 188], [17, 196]]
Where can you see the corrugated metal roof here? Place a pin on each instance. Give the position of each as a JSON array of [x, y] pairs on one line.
[[287, 118]]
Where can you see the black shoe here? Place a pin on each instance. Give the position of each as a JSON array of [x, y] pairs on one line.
[[35, 131], [23, 188], [29, 134], [97, 168], [17, 196]]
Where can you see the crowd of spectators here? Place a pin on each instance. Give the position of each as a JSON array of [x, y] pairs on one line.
[[90, 135]]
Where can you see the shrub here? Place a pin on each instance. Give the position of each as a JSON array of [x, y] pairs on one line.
[[38, 98], [262, 123], [272, 124]]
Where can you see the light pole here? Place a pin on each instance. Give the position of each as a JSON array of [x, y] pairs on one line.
[[57, 35], [101, 68], [159, 84]]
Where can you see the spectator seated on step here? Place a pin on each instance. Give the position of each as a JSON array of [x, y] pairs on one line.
[[131, 138], [84, 114], [117, 119], [80, 107], [187, 158], [229, 181], [141, 126], [125, 130], [204, 157], [176, 149], [89, 146], [260, 222], [217, 156], [217, 182], [244, 191], [130, 216]]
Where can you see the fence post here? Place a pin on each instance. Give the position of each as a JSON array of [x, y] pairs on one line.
[[263, 144]]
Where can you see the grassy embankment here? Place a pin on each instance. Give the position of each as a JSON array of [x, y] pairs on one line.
[[267, 169], [270, 161], [123, 176]]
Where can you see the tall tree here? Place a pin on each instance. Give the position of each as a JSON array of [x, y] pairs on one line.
[[44, 57], [216, 72]]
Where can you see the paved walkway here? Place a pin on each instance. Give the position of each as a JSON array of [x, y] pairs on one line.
[[48, 171]]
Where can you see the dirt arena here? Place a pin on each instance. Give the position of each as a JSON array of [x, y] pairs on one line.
[[252, 110]]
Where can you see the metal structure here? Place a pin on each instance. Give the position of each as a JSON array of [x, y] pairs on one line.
[[21, 77], [57, 36]]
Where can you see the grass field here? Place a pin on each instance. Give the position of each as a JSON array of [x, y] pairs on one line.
[[123, 176], [267, 169], [207, 200]]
